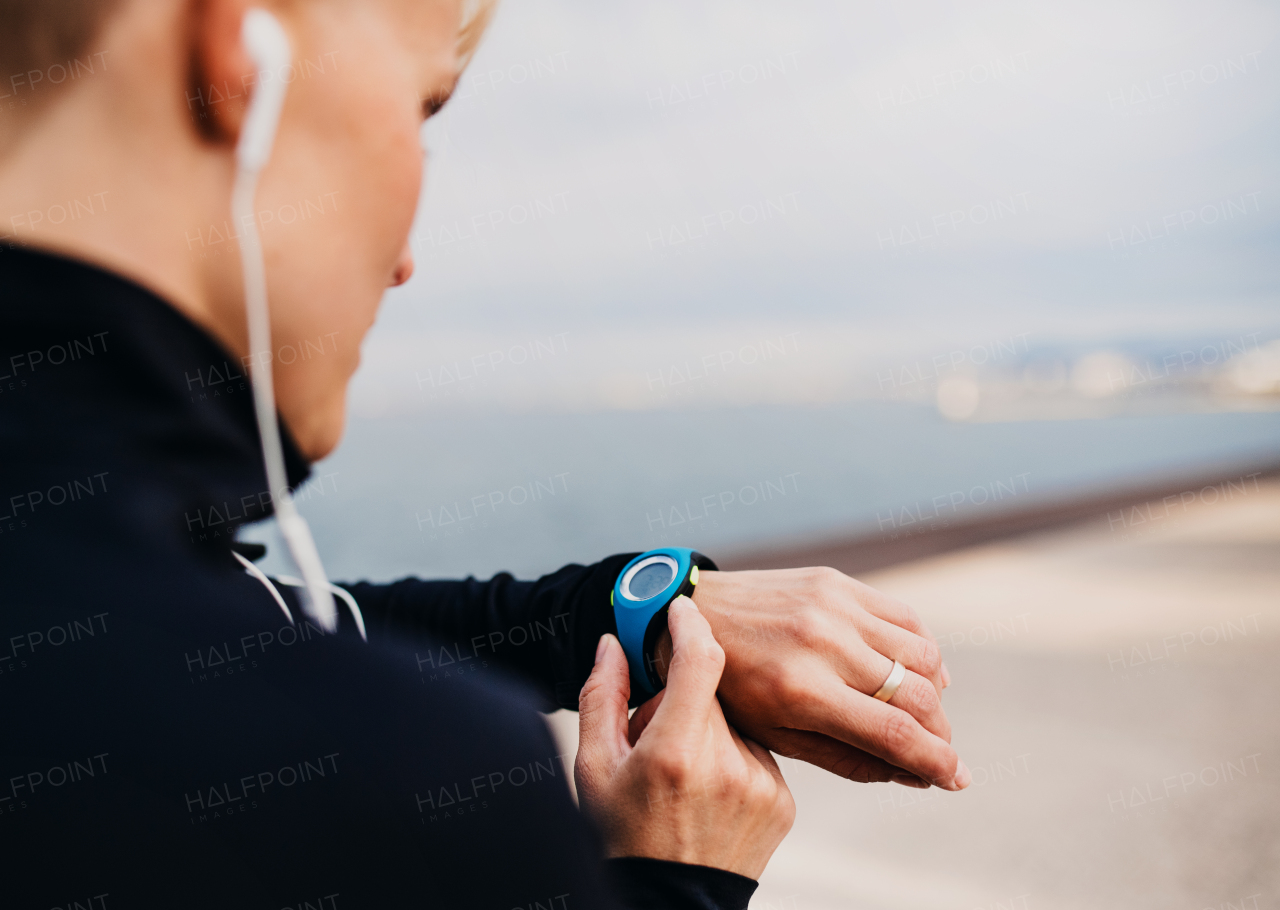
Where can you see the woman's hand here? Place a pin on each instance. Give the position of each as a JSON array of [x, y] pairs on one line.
[[676, 782], [805, 649]]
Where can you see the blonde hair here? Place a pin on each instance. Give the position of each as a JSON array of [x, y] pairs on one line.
[[39, 33], [476, 15]]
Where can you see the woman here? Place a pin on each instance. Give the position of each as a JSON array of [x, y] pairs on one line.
[[177, 733]]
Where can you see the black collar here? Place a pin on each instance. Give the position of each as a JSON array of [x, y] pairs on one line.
[[99, 374]]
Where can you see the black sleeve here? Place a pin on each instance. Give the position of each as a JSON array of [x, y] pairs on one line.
[[545, 630], [655, 884]]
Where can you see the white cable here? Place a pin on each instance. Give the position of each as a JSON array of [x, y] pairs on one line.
[[342, 593], [268, 47], [251, 569]]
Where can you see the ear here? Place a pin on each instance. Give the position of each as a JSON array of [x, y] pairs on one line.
[[222, 76]]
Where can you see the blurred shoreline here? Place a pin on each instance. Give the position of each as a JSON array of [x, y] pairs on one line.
[[1129, 510]]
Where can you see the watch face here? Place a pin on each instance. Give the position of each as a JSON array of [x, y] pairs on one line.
[[648, 578]]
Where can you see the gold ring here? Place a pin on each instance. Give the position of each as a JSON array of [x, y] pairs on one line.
[[896, 676]]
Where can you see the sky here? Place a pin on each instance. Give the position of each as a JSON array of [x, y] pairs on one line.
[[622, 189]]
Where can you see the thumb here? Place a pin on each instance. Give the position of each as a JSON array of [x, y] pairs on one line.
[[602, 718], [697, 662]]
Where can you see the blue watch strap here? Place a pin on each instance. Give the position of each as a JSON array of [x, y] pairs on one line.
[[641, 594]]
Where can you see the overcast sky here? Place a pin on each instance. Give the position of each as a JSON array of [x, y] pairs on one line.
[[651, 181]]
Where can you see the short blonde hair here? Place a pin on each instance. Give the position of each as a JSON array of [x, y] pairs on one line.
[[40, 33], [476, 15]]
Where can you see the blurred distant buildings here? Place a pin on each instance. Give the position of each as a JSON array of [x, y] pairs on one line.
[[1237, 374]]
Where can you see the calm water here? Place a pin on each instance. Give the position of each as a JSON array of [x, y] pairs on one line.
[[458, 494]]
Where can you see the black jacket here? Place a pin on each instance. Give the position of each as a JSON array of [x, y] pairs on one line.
[[169, 739]]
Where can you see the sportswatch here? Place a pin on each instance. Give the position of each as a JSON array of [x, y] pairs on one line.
[[644, 589]]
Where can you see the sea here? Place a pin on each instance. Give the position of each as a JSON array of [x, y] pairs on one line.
[[459, 493]]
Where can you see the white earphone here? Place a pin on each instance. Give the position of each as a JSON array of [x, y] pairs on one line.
[[268, 47]]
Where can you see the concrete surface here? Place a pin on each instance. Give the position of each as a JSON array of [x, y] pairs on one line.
[[1115, 693]]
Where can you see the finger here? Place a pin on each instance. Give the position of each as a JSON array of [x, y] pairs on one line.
[[642, 716], [919, 698], [697, 662], [918, 653], [765, 758], [602, 715], [866, 669], [864, 658], [892, 610], [841, 759], [889, 732]]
